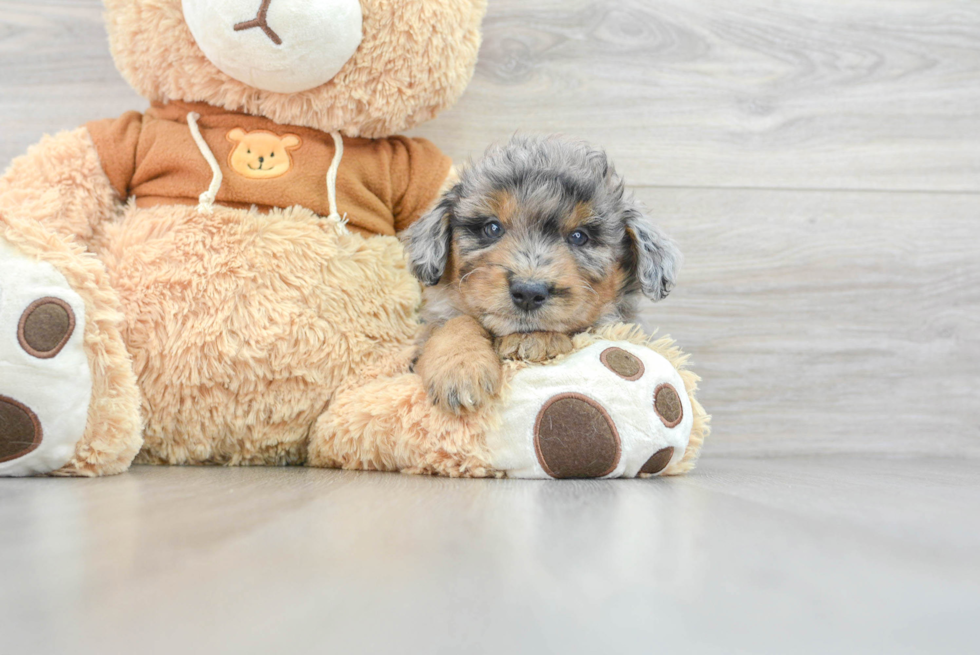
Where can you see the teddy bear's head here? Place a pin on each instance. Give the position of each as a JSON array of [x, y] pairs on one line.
[[367, 68]]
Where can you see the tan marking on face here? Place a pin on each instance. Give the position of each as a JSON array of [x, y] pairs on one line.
[[482, 289], [607, 292], [478, 283], [261, 155], [579, 215], [503, 205], [483, 286]]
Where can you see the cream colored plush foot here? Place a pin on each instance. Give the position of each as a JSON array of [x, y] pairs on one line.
[[45, 379], [611, 410]]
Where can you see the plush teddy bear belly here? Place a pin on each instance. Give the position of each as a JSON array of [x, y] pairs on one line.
[[242, 325]]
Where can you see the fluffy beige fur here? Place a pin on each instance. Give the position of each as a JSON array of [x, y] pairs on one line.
[[411, 64], [59, 182], [389, 424], [242, 329]]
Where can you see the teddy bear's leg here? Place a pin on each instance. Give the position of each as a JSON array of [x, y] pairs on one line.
[[612, 409], [618, 407], [390, 424], [69, 404]]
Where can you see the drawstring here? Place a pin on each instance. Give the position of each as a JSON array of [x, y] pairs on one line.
[[206, 199], [338, 142]]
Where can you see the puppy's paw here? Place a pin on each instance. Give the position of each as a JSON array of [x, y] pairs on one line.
[[459, 368], [533, 346], [463, 385]]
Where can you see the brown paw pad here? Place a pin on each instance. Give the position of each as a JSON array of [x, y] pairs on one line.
[[624, 364], [45, 327], [658, 462], [575, 438], [20, 430], [667, 404]]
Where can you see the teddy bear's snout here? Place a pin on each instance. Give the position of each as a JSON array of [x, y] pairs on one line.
[[283, 46]]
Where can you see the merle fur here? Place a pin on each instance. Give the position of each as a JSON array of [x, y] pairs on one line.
[[549, 176]]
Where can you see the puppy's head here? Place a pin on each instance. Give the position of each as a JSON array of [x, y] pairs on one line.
[[539, 235]]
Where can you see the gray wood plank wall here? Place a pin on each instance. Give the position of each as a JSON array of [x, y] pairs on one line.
[[818, 161]]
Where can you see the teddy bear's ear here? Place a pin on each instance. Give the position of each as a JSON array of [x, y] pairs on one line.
[[427, 241], [236, 135], [291, 141], [656, 256]]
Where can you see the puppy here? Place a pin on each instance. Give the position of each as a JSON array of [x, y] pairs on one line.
[[534, 243]]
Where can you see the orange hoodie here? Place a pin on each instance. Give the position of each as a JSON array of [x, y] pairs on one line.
[[383, 185]]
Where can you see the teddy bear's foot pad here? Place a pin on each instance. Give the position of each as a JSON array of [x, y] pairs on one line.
[[658, 461], [20, 430], [574, 437], [611, 410], [45, 380]]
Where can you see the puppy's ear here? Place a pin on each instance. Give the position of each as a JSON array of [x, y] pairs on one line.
[[427, 241], [656, 257]]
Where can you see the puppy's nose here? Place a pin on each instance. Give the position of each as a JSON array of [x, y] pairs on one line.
[[529, 295], [261, 159]]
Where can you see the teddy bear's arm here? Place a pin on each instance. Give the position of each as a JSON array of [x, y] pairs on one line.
[[60, 182]]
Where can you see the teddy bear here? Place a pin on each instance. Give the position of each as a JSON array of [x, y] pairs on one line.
[[218, 280]]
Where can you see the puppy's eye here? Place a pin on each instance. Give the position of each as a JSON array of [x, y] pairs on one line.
[[272, 155], [250, 152], [493, 229], [578, 238]]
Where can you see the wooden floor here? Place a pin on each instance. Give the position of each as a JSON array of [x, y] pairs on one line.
[[826, 554], [819, 163]]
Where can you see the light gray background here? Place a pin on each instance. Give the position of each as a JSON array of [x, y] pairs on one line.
[[819, 163]]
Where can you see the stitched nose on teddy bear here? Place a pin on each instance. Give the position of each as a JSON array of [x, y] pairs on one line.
[[261, 21]]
